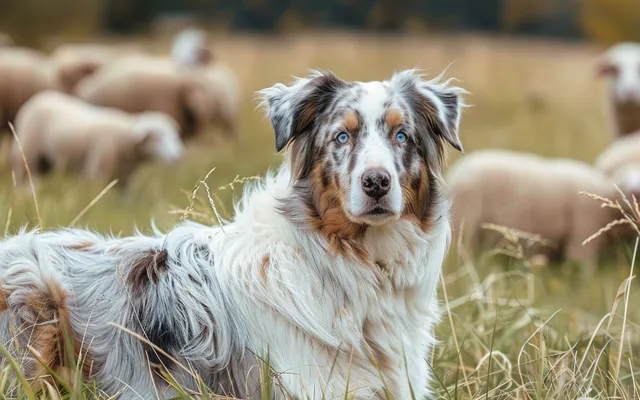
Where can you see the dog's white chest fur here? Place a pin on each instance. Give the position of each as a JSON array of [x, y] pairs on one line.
[[322, 315]]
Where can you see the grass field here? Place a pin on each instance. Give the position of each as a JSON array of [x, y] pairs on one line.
[[509, 330]]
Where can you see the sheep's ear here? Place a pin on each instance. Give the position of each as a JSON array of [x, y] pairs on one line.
[[437, 104], [293, 109]]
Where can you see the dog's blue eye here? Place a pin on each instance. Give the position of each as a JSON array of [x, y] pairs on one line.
[[342, 138], [401, 137]]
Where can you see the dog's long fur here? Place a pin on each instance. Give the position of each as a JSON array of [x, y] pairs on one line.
[[302, 277]]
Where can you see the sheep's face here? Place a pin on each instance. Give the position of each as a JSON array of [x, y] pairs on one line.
[[159, 137], [364, 153], [621, 65]]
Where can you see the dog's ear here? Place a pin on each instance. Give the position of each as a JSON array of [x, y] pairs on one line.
[[437, 104], [294, 109]]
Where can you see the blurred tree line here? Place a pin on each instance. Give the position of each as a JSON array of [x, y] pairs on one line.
[[606, 21]]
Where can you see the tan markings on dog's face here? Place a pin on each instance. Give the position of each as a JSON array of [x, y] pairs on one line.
[[351, 122], [329, 218], [394, 118], [416, 195], [364, 153]]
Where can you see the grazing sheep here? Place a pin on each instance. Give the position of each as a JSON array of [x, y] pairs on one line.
[[58, 130], [621, 162], [77, 61], [195, 97], [621, 66], [191, 48], [532, 194], [23, 73]]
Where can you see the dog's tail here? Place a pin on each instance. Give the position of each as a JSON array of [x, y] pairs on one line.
[[33, 302]]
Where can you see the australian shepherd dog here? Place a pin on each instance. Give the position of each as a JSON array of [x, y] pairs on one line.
[[325, 281]]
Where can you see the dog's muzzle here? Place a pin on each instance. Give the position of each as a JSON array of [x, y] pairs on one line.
[[376, 183]]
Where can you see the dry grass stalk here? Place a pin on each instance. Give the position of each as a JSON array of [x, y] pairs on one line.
[[26, 165], [515, 235], [239, 181], [194, 193], [631, 218], [93, 202]]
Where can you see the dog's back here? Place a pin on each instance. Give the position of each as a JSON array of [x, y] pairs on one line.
[[72, 295]]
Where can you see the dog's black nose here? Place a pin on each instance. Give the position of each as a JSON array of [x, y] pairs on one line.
[[376, 183]]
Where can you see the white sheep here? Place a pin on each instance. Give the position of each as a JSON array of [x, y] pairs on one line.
[[621, 66], [58, 130], [195, 97], [532, 194]]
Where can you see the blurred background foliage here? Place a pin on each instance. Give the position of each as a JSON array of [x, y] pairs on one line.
[[604, 21]]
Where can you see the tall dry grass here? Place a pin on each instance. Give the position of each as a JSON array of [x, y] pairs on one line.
[[509, 330]]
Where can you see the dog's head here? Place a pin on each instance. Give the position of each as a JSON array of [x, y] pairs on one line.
[[364, 153]]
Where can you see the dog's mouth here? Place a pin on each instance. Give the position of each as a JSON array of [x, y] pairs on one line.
[[376, 215], [378, 211]]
